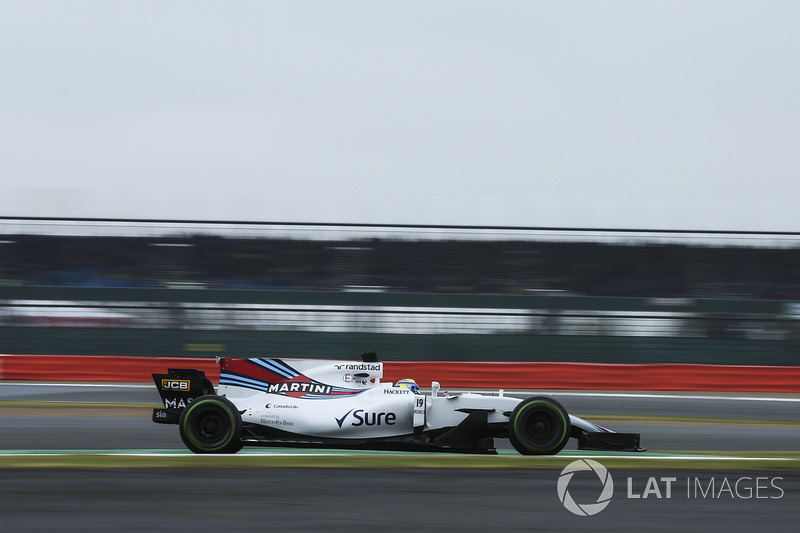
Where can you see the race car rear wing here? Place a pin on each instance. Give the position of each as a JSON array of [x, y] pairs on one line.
[[177, 388]]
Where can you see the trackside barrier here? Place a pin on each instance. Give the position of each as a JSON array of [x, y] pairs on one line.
[[91, 368], [589, 376], [454, 375]]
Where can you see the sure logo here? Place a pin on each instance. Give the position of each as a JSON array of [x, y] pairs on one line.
[[364, 418], [175, 384]]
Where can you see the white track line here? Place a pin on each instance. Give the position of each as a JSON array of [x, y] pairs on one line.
[[638, 457]]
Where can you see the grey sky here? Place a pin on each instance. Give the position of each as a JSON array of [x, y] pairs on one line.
[[676, 114]]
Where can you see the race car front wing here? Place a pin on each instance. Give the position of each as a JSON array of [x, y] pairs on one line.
[[619, 442]]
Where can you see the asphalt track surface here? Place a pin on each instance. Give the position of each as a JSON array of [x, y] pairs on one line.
[[64, 432], [367, 500], [395, 499]]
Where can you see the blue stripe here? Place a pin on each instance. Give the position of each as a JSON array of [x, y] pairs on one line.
[[328, 396], [341, 389], [245, 386], [286, 367], [241, 377], [270, 365], [239, 381], [233, 380]]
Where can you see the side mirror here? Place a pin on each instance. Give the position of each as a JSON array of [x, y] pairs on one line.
[[435, 389]]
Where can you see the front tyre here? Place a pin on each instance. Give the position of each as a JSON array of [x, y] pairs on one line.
[[539, 426], [211, 424]]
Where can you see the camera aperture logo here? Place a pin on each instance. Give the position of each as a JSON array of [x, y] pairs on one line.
[[605, 487]]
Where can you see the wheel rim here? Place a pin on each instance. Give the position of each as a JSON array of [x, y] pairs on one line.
[[541, 427], [211, 427]]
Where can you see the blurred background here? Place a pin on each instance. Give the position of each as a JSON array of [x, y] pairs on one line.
[[412, 156], [429, 180], [161, 288]]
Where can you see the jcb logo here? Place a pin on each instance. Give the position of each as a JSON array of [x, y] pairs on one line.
[[175, 384]]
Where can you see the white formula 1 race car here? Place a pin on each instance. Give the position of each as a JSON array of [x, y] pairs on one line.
[[343, 404]]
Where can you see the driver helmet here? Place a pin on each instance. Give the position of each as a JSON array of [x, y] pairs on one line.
[[408, 383]]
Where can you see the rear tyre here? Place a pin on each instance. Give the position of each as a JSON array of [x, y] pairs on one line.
[[539, 426], [211, 424]]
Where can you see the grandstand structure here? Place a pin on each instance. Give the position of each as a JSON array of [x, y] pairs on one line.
[[398, 259], [143, 287]]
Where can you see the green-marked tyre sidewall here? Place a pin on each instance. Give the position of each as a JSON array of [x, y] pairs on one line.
[[523, 410], [232, 420]]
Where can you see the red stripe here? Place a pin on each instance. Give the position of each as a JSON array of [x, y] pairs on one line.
[[490, 375], [243, 367]]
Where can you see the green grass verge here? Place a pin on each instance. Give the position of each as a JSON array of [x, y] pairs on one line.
[[94, 460]]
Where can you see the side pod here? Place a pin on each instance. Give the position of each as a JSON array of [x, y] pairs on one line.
[[177, 388]]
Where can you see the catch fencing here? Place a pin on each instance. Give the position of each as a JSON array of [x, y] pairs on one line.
[[403, 327]]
